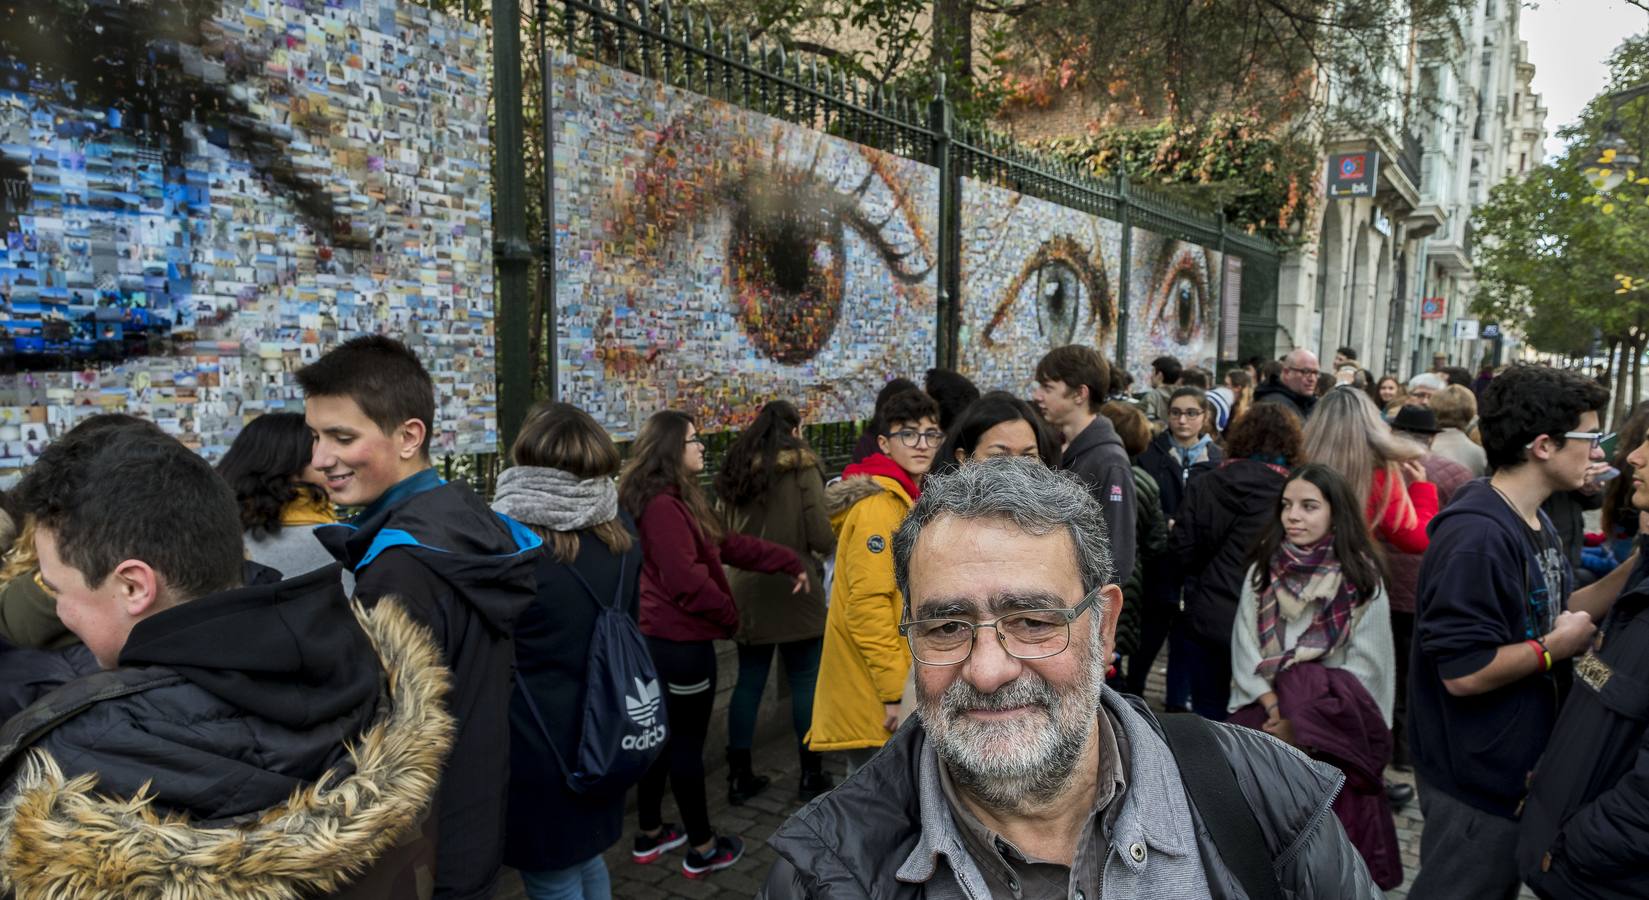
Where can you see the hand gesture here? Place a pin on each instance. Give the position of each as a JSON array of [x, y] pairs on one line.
[[801, 585], [890, 720], [1414, 472], [1571, 635]]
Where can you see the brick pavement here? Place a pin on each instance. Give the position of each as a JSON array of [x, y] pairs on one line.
[[756, 821]]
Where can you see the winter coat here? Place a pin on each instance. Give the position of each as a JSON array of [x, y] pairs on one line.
[[1337, 721], [1567, 510], [1151, 531], [1583, 832], [1221, 519], [28, 615], [1163, 463], [1283, 395], [549, 826], [1155, 401], [1403, 569], [1422, 498], [1454, 444], [465, 572], [850, 843], [792, 514], [273, 744], [864, 661], [1097, 457], [685, 594]]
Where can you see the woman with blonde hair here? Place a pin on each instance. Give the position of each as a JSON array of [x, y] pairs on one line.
[[1456, 408], [1347, 434]]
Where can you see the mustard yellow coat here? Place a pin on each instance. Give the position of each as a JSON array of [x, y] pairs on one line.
[[864, 661]]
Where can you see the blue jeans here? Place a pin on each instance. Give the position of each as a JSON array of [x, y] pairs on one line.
[[1181, 665], [585, 881], [801, 662]]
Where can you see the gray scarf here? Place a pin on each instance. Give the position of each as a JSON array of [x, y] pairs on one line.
[[553, 499]]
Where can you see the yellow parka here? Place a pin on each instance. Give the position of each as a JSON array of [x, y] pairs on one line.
[[864, 661]]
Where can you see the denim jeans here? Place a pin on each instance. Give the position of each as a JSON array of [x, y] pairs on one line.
[[586, 881], [801, 663]]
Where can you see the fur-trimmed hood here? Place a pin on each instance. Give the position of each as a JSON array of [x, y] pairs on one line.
[[791, 459], [843, 493], [61, 839]]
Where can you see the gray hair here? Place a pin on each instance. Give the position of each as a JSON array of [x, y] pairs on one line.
[[1426, 380], [1024, 491]]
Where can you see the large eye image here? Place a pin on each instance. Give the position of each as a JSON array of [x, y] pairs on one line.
[[1181, 302], [1064, 288]]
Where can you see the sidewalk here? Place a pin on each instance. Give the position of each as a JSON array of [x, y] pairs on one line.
[[758, 819]]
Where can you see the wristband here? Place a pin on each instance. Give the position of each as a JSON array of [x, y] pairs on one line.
[[1542, 655]]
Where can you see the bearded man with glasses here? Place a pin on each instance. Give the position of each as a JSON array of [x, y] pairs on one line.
[[1021, 774]]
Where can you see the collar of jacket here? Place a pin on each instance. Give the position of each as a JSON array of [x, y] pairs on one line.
[[402, 491], [60, 838], [882, 465], [1154, 807]]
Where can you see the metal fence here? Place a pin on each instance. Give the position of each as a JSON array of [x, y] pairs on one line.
[[683, 49]]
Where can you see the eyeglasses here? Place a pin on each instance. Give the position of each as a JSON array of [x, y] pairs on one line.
[[1030, 634], [1297, 371], [916, 438], [1184, 413], [696, 440], [1595, 438]]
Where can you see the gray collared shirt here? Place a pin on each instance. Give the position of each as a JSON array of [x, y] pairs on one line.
[[1011, 872], [1142, 842]]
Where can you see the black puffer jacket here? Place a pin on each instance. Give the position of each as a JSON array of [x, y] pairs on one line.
[[1283, 395], [1163, 463], [467, 573], [1221, 518], [848, 844], [1585, 825]]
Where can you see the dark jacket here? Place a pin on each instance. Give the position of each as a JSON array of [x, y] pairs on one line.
[[467, 573], [1477, 585], [791, 513], [28, 615], [1163, 463], [1151, 554], [1585, 832], [1283, 395], [235, 729], [1221, 519], [1098, 458], [1337, 721], [549, 826], [849, 843], [1567, 510]]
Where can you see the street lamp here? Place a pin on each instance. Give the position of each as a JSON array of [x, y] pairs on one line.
[[1613, 157]]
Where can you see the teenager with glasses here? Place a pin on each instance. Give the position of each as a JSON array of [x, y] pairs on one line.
[[1497, 620], [863, 666], [686, 605]]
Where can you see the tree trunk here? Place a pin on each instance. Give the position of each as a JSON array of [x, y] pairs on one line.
[[1623, 374], [953, 43], [1637, 371]]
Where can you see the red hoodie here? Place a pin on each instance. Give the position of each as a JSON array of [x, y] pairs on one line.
[[882, 464], [684, 592]]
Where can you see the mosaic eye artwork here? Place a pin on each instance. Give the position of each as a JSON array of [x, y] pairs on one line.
[[711, 259], [201, 196], [1178, 287], [1035, 275]]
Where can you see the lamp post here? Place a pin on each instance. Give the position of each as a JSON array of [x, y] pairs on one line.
[[1613, 156]]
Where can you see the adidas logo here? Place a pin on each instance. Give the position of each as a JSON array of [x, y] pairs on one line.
[[643, 704]]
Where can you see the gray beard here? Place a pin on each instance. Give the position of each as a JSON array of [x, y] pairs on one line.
[[1020, 765]]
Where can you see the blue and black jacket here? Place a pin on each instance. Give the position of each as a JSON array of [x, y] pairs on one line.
[[468, 573]]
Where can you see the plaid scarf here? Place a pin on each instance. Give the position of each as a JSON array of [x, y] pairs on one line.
[[1300, 575]]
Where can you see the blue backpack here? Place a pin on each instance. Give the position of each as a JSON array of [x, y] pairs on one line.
[[624, 730]]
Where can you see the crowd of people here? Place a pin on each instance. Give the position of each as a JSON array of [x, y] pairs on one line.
[[212, 685]]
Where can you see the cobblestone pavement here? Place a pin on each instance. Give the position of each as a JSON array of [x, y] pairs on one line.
[[758, 819]]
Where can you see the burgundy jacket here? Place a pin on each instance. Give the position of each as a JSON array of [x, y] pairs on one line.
[[1403, 569], [1336, 721], [684, 592]]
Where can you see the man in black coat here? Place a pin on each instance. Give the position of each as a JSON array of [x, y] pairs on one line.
[[1584, 832], [1297, 388], [460, 568]]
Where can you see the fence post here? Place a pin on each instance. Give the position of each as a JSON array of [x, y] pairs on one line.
[[948, 320], [511, 252], [1125, 211], [546, 236], [1219, 307]]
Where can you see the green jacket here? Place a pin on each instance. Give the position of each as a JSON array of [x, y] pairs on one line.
[[28, 616], [1151, 528]]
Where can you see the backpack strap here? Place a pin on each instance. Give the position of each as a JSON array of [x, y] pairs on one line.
[[63, 703], [1212, 787], [618, 593]]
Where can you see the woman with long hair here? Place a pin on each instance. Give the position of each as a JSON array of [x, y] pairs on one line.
[[686, 605], [770, 486], [561, 486], [282, 497], [997, 424], [1620, 517], [1312, 659], [1347, 434], [1389, 395], [1221, 516]]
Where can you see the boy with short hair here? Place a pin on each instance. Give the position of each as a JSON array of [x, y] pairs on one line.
[[1070, 389], [1495, 614], [458, 567], [864, 662]]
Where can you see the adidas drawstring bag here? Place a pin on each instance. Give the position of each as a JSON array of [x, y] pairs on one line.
[[623, 723]]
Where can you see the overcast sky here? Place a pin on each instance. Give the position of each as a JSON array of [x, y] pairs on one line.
[[1569, 44]]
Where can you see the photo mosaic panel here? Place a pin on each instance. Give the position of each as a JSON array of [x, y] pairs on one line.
[[201, 196], [1174, 299], [710, 259], [1035, 275]]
